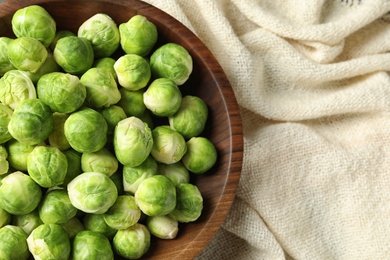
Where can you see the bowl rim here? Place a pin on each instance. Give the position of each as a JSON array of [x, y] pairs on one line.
[[230, 103]]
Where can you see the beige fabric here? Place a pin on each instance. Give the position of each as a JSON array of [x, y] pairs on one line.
[[311, 78]]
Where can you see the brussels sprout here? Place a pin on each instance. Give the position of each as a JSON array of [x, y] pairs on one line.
[[49, 241], [5, 217], [26, 53], [189, 203], [5, 117], [106, 63], [169, 146], [4, 165], [86, 130], [162, 97], [92, 192], [91, 245], [147, 117], [62, 92], [171, 61], [60, 34], [117, 178], [163, 227], [132, 102], [13, 244], [201, 155], [28, 222], [176, 172], [113, 114], [190, 119], [102, 32], [73, 227], [74, 165], [18, 153], [102, 90], [133, 72], [32, 122], [56, 208], [133, 176], [123, 214], [50, 65], [74, 54], [133, 141], [5, 64], [47, 166], [16, 86], [133, 242], [34, 21], [57, 137], [156, 196], [96, 222], [101, 161], [19, 194]]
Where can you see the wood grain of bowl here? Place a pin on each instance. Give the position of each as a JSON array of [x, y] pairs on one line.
[[208, 81]]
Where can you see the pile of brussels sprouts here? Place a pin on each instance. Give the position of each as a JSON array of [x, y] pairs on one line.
[[86, 173]]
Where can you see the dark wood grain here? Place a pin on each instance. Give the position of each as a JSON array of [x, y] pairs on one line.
[[208, 81]]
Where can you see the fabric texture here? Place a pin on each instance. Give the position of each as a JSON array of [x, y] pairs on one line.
[[311, 79]]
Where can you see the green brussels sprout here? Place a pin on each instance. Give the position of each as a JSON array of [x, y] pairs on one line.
[[74, 165], [189, 203], [147, 118], [92, 192], [201, 155], [133, 176], [117, 178], [102, 32], [163, 97], [133, 141], [133, 242], [96, 222], [91, 245], [101, 86], [156, 196], [5, 217], [18, 153], [50, 65], [176, 172], [5, 64], [73, 227], [190, 119], [56, 208], [106, 63], [132, 102], [101, 161], [169, 146], [28, 222], [5, 117], [13, 244], [34, 21], [57, 137], [49, 241], [62, 92], [26, 53], [60, 34], [32, 122], [19, 194], [113, 114], [163, 227], [47, 166], [123, 214], [16, 86], [86, 130], [74, 54], [171, 61], [133, 71], [138, 35], [4, 165]]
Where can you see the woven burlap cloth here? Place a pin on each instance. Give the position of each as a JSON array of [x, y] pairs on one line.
[[312, 81]]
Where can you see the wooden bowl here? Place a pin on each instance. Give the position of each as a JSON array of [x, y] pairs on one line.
[[207, 81]]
